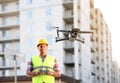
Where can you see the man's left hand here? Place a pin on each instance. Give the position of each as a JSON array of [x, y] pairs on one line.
[[50, 73]]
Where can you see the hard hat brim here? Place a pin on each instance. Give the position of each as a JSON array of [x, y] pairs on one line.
[[41, 44]]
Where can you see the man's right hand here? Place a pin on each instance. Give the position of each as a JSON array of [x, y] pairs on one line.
[[37, 73], [32, 74]]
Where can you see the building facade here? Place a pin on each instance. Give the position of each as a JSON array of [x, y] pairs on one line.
[[103, 52], [115, 73], [9, 32]]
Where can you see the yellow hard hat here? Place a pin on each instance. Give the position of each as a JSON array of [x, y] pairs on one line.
[[42, 41]]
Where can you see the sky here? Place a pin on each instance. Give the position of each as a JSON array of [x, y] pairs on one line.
[[111, 14]]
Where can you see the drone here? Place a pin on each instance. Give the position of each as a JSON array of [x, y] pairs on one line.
[[73, 34]]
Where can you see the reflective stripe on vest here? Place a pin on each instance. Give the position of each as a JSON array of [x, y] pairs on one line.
[[43, 69], [48, 64]]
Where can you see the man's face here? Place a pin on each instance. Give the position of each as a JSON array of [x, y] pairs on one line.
[[43, 48]]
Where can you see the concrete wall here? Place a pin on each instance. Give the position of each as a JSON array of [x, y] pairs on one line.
[[24, 79], [57, 81]]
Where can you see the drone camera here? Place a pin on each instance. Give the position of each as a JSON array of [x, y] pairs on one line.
[[74, 34]]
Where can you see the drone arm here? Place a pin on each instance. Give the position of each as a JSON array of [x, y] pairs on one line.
[[62, 31], [87, 32], [80, 40], [61, 39], [57, 33]]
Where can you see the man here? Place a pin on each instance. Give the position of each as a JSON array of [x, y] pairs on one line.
[[43, 68]]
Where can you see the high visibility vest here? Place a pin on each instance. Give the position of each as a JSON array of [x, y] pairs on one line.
[[38, 65]]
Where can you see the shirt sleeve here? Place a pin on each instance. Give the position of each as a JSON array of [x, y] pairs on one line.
[[29, 66], [56, 66]]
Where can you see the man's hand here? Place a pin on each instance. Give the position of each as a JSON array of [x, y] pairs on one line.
[[37, 73], [32, 74], [50, 73], [54, 73]]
